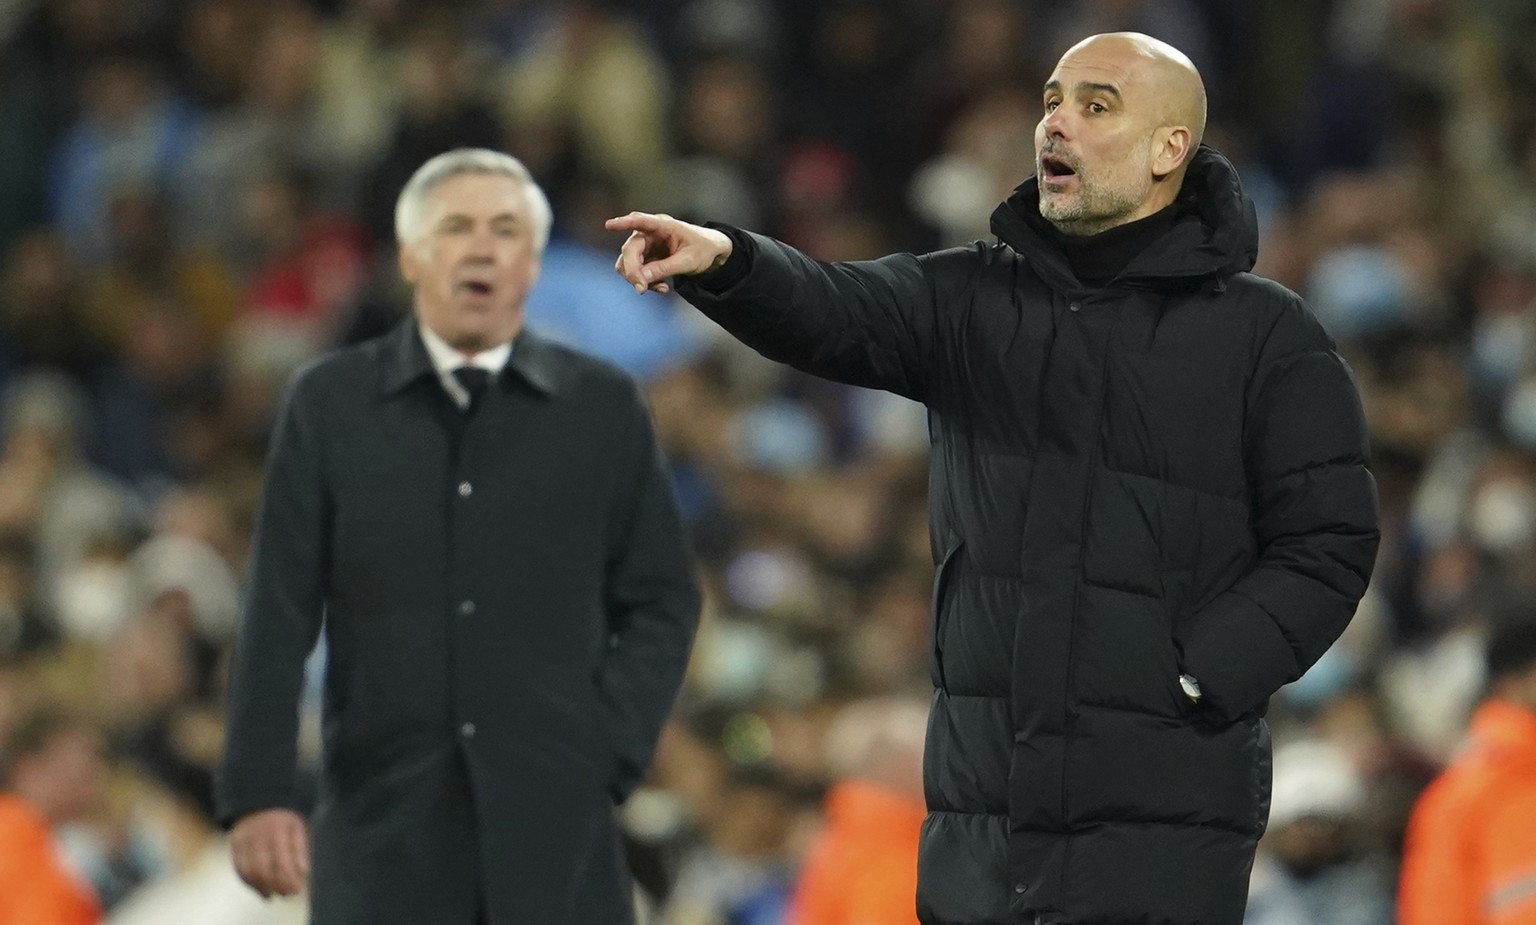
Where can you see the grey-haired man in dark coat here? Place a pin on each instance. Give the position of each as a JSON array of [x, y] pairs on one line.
[[479, 523]]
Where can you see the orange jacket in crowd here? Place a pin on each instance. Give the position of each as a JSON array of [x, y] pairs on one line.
[[1471, 851], [35, 888], [862, 868]]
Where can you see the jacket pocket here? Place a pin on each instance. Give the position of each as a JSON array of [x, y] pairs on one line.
[[941, 581]]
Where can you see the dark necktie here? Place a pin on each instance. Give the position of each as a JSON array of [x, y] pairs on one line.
[[474, 380]]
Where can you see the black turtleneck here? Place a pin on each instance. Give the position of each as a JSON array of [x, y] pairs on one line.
[[1098, 258]]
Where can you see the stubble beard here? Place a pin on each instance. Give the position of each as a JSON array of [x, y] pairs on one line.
[[1092, 209]]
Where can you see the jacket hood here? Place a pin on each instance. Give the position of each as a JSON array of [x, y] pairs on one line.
[[1216, 235]]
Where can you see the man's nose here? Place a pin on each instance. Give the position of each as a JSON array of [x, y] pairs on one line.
[[1055, 123], [482, 243]]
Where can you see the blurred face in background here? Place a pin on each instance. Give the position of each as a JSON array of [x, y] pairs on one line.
[[214, 37], [1501, 512], [65, 778], [78, 771], [727, 109], [472, 260], [38, 283], [434, 72], [753, 821], [1313, 844], [119, 89], [1520, 688], [283, 70], [89, 23], [138, 230]]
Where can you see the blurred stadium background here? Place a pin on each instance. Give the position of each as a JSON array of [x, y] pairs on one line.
[[196, 197]]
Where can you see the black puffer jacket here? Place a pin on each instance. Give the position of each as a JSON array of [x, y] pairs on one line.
[[1165, 474]]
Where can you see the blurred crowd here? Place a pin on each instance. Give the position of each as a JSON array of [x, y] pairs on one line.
[[196, 197]]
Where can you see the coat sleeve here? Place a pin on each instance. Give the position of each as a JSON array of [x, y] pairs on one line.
[[1314, 518], [1509, 849], [38, 888], [1437, 883], [652, 601], [815, 900], [871, 323], [281, 619]]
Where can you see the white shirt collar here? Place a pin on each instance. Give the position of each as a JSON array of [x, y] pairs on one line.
[[445, 360]]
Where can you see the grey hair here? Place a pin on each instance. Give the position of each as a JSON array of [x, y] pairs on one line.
[[413, 197]]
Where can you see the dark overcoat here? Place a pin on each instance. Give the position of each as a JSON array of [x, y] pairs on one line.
[[507, 601], [1162, 474]]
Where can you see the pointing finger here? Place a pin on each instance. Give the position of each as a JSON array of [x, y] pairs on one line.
[[634, 221]]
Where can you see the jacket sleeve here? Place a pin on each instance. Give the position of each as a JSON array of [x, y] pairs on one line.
[[38, 887], [870, 323], [1314, 518], [1509, 849], [281, 618], [1437, 884], [653, 608]]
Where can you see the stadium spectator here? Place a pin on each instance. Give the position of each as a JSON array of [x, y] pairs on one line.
[[862, 868], [1471, 852], [1315, 863], [53, 775]]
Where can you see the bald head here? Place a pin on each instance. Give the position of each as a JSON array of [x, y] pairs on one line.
[[1166, 74], [1124, 113]]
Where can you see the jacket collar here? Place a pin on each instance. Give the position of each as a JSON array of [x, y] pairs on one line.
[[1216, 235], [404, 361]]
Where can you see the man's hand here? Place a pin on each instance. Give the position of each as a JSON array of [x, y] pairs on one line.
[[271, 850], [660, 246]]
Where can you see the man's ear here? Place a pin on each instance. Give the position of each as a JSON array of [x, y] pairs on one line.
[[1172, 151], [407, 262]]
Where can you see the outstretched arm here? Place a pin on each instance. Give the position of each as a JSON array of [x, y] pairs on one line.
[[869, 323]]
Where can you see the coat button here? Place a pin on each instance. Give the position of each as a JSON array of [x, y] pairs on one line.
[[1077, 307], [1020, 888], [467, 730], [467, 608], [465, 489]]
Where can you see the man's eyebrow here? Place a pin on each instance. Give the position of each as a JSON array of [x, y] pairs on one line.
[[466, 217], [1054, 86], [1106, 89]]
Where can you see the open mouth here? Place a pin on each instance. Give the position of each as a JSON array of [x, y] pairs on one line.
[[1053, 168], [475, 287]]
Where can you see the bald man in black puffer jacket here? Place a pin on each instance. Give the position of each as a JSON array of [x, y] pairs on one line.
[[1150, 506]]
